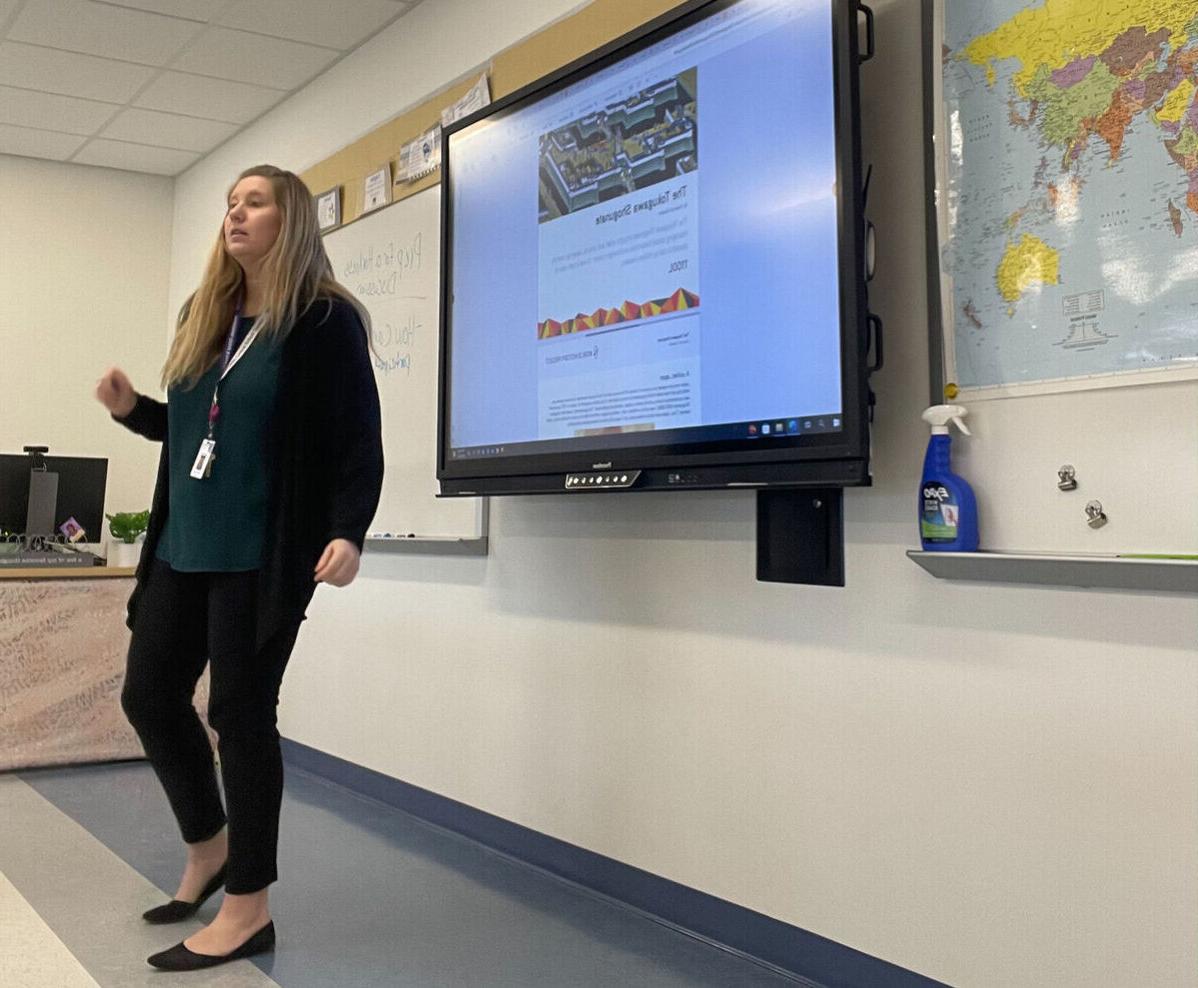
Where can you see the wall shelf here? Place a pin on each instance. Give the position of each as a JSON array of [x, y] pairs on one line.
[[1091, 572], [428, 545]]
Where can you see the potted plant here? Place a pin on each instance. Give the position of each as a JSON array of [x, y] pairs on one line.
[[126, 527]]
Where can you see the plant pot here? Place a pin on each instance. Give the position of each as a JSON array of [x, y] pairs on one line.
[[124, 554]]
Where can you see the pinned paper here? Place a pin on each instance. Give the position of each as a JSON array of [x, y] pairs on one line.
[[478, 96], [378, 189], [419, 157], [328, 209]]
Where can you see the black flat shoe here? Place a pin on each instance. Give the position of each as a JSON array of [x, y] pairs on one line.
[[179, 958], [177, 909]]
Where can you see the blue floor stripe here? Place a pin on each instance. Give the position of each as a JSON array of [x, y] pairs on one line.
[[807, 957], [372, 896]]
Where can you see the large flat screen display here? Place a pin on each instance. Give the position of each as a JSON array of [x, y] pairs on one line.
[[652, 261]]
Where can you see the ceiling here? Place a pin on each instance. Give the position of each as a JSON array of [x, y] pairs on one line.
[[154, 85]]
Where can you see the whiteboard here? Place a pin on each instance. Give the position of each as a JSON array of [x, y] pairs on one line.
[[390, 259]]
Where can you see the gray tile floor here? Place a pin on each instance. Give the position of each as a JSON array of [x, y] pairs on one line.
[[367, 896]]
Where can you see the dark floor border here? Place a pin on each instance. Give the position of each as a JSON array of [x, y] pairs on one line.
[[821, 962]]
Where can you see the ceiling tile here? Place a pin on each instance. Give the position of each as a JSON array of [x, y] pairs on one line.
[[317, 22], [214, 99], [102, 29], [73, 75], [27, 108], [135, 157], [168, 130], [38, 143], [192, 10], [253, 58]]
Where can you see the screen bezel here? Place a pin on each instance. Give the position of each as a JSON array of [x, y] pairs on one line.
[[789, 461]]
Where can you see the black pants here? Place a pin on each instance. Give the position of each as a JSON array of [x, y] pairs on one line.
[[184, 620]]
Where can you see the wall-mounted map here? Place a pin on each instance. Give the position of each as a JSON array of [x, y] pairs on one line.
[[1067, 191]]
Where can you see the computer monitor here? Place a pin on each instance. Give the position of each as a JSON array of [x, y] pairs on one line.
[[81, 486]]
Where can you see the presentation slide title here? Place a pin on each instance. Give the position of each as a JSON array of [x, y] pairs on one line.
[[644, 205]]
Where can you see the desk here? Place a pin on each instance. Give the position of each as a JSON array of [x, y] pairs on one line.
[[63, 642]]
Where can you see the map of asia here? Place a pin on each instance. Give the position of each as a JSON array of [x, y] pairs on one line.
[[1067, 180]]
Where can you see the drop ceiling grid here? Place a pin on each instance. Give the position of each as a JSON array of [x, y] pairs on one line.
[[152, 85]]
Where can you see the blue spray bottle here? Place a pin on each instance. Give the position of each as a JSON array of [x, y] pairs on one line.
[[948, 513]]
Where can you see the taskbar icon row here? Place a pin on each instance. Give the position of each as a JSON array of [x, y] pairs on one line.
[[793, 426]]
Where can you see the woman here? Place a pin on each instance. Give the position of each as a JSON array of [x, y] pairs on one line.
[[269, 476]]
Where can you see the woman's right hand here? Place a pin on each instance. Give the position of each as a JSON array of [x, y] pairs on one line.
[[115, 393]]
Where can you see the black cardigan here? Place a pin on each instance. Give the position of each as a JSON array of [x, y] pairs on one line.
[[325, 460]]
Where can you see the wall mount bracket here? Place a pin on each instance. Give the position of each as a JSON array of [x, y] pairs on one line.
[[800, 536]]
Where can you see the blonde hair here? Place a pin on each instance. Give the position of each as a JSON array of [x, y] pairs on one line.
[[295, 271]]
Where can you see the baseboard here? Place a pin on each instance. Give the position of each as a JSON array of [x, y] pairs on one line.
[[808, 958]]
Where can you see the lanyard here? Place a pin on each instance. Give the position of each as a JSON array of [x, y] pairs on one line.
[[227, 362]]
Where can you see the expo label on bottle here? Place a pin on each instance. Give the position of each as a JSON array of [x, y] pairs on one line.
[[941, 513]]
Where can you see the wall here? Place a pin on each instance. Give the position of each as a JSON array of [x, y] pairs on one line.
[[84, 269], [992, 785]]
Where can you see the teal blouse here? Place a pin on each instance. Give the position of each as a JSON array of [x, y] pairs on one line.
[[218, 524]]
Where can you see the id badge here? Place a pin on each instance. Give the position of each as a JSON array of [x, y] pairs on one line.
[[203, 464]]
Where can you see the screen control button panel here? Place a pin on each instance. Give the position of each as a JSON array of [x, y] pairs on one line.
[[607, 479]]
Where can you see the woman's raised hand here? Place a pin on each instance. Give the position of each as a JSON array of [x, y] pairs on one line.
[[115, 393]]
